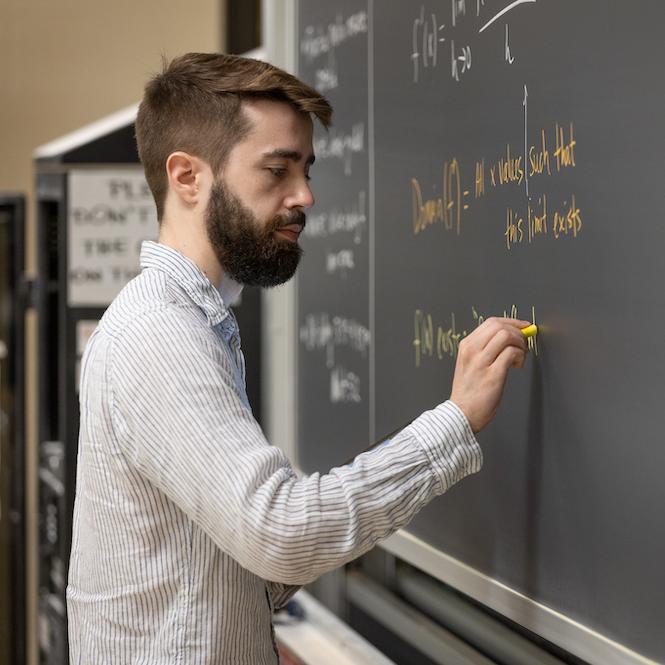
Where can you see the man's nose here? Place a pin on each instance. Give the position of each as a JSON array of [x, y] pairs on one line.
[[302, 197]]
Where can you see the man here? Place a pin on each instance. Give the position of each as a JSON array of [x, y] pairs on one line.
[[189, 528]]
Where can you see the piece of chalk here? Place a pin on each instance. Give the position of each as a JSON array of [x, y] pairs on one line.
[[530, 331]]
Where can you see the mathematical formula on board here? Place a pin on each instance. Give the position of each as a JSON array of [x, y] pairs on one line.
[[535, 216], [440, 340], [321, 42], [438, 44], [322, 332], [442, 47]]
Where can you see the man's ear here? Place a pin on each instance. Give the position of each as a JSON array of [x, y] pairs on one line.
[[187, 176]]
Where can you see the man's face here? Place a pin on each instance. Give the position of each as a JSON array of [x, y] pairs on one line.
[[255, 211]]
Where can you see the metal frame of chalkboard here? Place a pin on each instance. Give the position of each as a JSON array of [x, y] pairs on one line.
[[544, 621], [578, 639], [278, 332]]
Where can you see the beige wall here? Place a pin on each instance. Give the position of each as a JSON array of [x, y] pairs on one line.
[[63, 64]]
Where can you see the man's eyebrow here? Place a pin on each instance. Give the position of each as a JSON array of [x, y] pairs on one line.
[[288, 154]]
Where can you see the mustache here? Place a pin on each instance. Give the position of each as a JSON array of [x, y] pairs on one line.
[[294, 217]]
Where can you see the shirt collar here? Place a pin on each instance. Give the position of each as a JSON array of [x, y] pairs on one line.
[[213, 301]]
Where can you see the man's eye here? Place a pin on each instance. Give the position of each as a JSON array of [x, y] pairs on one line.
[[277, 171]]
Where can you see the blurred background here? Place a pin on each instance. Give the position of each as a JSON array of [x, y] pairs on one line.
[[64, 66]]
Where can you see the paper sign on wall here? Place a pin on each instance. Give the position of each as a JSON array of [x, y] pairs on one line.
[[110, 213]]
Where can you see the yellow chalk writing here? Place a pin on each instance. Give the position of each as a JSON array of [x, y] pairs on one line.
[[446, 209], [568, 222], [539, 160], [565, 147], [526, 221], [441, 340]]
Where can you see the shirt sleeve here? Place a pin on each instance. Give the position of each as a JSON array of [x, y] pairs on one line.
[[179, 416], [280, 594]]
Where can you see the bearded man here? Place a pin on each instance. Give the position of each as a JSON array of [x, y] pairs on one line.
[[189, 528]]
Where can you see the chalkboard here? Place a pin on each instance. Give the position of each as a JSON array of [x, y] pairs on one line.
[[494, 158], [333, 291]]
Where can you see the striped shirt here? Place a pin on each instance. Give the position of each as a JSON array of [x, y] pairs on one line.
[[189, 528]]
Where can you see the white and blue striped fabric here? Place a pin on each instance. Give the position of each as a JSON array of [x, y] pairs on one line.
[[189, 528]]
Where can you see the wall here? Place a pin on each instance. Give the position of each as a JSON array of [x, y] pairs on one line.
[[62, 65]]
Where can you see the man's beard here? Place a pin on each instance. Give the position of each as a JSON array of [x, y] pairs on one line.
[[250, 252]]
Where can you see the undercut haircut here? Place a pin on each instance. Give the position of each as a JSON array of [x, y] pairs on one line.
[[194, 106]]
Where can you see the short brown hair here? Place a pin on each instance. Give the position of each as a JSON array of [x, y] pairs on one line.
[[194, 105]]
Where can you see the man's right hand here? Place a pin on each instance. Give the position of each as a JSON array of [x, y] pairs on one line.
[[483, 361]]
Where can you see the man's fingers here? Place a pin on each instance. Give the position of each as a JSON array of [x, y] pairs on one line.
[[511, 356], [517, 323], [482, 335], [504, 337], [519, 362], [482, 365]]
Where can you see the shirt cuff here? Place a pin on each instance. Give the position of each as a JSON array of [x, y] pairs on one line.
[[446, 436]]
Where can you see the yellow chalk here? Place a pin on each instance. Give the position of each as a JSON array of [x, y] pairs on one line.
[[530, 331]]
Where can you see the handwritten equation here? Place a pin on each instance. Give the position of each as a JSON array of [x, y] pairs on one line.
[[341, 145], [433, 43], [446, 208], [350, 219], [323, 332], [439, 341], [319, 41], [554, 151]]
